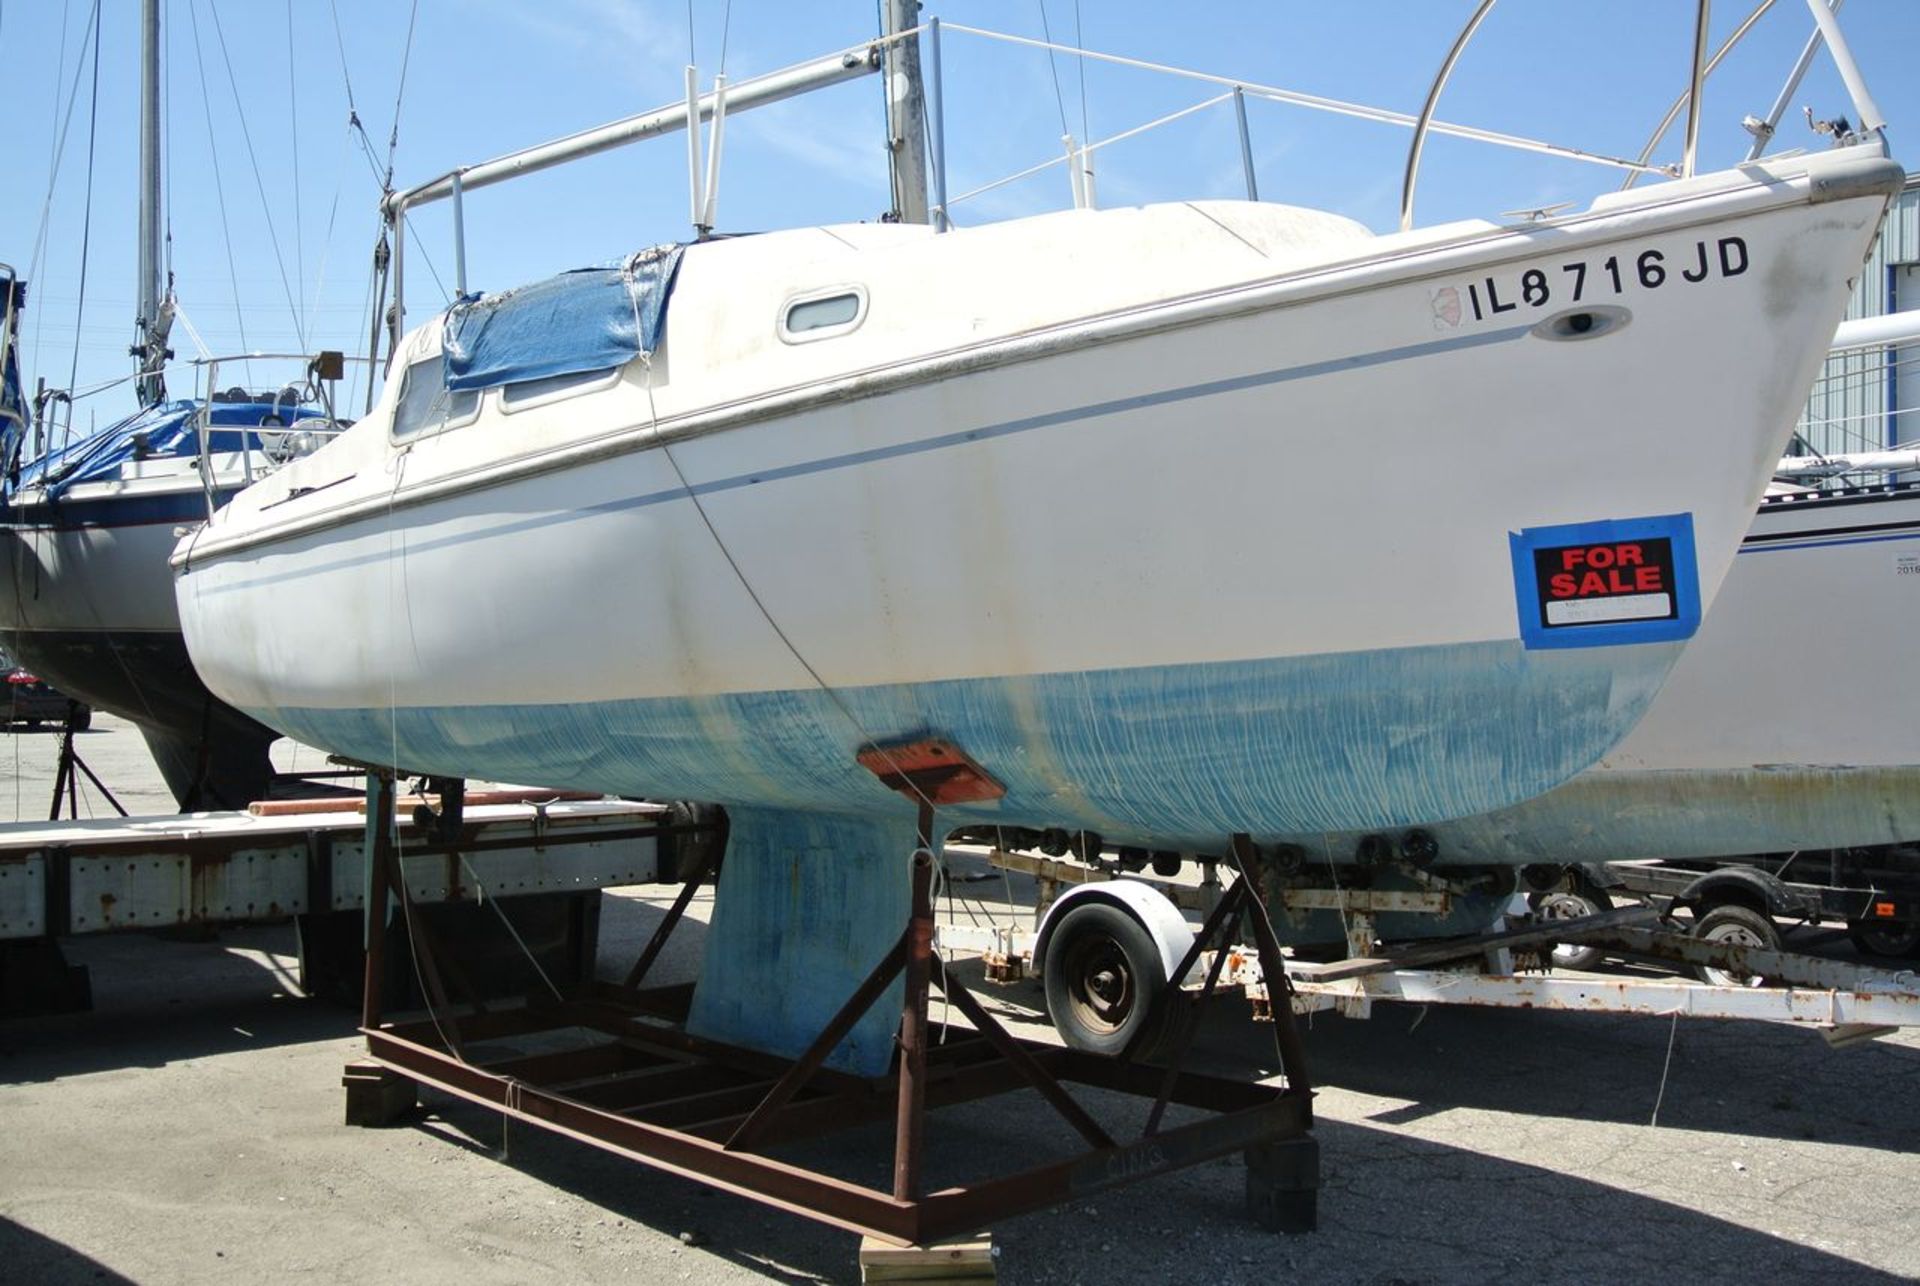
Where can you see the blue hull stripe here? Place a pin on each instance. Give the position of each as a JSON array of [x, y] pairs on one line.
[[1179, 756], [938, 442], [119, 511], [1828, 544]]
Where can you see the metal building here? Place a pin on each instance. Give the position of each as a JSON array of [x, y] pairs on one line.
[[1870, 400]]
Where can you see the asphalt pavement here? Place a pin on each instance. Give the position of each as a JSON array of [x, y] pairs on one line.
[[189, 1129]]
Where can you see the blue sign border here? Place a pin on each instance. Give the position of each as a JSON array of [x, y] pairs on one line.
[[1677, 528]]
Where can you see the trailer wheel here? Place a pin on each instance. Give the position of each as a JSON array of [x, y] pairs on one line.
[[1878, 938], [1737, 926], [1103, 974], [1572, 904]]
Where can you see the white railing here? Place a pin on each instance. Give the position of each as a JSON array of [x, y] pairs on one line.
[[284, 434], [1076, 155]]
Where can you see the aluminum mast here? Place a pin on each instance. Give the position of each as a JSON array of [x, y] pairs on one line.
[[155, 318]]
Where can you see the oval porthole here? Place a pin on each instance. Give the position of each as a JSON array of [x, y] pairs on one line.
[[1583, 323], [823, 315]]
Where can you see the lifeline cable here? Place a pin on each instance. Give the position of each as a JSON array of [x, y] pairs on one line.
[[833, 694], [391, 821], [933, 841], [512, 932]]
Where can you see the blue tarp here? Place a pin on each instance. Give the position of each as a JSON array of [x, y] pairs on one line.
[[166, 429], [590, 319]]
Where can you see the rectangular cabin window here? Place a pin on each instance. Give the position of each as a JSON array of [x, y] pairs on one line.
[[547, 388], [823, 315], [426, 405]]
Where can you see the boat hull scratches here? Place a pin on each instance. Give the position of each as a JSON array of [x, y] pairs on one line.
[[1182, 755]]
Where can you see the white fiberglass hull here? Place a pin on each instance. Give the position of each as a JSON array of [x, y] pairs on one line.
[[1086, 553]]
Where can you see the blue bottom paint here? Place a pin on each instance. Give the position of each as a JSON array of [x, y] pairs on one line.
[[1174, 756], [807, 905]]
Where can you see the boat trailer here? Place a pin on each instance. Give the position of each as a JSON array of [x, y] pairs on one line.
[[1509, 967], [613, 1066]]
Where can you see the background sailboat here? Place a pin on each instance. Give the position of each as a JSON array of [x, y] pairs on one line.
[[87, 519]]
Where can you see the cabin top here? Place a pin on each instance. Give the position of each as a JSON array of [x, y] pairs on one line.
[[754, 316]]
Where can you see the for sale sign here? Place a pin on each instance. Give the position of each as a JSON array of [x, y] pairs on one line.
[[1616, 581]]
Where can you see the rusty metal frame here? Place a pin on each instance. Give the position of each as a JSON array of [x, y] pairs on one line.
[[653, 1093]]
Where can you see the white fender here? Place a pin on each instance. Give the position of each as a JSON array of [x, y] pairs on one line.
[[1155, 912]]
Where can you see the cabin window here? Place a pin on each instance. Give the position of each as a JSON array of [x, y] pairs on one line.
[[426, 405], [551, 388], [822, 316]]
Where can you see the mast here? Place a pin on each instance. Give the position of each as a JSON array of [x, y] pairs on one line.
[[906, 114], [155, 316]]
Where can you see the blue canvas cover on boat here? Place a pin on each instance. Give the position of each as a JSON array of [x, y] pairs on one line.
[[590, 319], [161, 430]]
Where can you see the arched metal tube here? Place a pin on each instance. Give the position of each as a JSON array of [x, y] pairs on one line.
[[1666, 122], [1693, 91], [1426, 111]]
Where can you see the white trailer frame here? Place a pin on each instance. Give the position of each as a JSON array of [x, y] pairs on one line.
[[1509, 968]]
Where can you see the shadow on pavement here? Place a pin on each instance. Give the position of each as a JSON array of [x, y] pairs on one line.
[[29, 1256]]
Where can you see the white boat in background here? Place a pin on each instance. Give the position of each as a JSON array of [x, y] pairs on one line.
[[1783, 727]]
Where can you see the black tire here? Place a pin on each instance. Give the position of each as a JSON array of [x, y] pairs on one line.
[[1572, 904], [82, 718], [1735, 924], [1888, 941], [1103, 974]]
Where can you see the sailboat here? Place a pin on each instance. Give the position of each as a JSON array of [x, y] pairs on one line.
[[86, 526], [756, 503], [844, 526]]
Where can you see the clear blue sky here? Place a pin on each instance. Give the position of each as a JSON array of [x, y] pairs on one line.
[[488, 76]]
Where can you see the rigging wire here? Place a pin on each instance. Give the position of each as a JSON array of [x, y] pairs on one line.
[[293, 157], [1053, 66], [353, 110], [833, 694], [56, 130], [1086, 130], [406, 60], [421, 248], [86, 224], [65, 122], [219, 185], [259, 182], [333, 211]]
